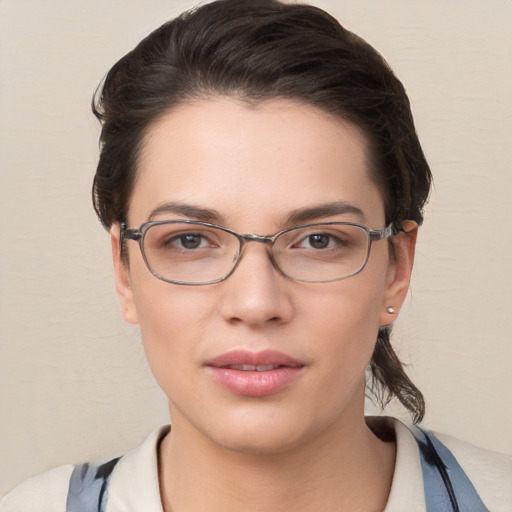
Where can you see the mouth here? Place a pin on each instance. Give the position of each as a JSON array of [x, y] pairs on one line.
[[252, 367], [254, 373]]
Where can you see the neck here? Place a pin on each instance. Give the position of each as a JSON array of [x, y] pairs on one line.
[[348, 469]]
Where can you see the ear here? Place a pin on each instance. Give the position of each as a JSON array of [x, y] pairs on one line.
[[122, 278], [400, 270]]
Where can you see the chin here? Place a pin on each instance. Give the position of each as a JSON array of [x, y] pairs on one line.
[[264, 431], [262, 442]]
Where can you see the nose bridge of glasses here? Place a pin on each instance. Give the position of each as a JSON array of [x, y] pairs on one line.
[[256, 238], [268, 241]]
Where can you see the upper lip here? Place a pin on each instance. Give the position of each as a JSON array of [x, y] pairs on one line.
[[261, 358]]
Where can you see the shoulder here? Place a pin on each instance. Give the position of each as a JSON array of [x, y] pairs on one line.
[[132, 482], [46, 492], [489, 472]]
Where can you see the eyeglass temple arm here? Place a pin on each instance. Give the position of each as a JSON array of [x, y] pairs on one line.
[[129, 234], [387, 232], [392, 230]]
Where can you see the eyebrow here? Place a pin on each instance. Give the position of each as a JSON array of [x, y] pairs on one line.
[[187, 210], [303, 215], [298, 216]]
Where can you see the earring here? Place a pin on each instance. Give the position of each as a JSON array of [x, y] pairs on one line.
[[391, 310]]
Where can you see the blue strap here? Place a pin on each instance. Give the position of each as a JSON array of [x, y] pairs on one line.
[[447, 487], [88, 487]]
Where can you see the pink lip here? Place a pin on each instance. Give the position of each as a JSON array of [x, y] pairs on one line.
[[259, 382]]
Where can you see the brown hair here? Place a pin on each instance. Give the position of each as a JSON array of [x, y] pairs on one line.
[[258, 50]]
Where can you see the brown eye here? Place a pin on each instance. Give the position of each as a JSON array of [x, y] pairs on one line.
[[319, 241], [190, 241], [187, 241]]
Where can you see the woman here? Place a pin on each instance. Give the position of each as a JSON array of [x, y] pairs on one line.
[[263, 185]]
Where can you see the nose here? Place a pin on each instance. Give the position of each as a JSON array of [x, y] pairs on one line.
[[256, 293]]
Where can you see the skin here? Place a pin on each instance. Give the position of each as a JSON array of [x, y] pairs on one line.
[[306, 447]]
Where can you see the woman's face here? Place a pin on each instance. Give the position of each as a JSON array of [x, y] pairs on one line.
[[251, 169]]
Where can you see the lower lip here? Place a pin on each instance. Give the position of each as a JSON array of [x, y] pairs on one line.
[[253, 383]]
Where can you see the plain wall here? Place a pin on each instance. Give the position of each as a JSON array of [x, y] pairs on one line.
[[74, 383]]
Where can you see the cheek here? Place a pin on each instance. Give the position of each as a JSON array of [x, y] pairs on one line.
[[354, 331], [352, 305], [347, 320], [172, 321], [342, 323]]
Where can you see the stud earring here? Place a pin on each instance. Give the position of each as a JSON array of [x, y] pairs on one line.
[[391, 310]]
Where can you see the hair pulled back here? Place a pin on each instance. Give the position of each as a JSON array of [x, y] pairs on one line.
[[258, 50]]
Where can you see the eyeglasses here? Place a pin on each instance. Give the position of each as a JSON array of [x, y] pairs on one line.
[[188, 252]]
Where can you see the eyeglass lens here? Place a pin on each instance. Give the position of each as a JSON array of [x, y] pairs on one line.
[[195, 253]]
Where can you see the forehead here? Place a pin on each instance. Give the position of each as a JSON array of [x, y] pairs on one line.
[[248, 161]]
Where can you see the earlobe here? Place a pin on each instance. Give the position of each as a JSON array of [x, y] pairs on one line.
[[404, 245], [122, 278]]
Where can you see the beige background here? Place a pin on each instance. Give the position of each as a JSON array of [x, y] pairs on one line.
[[74, 383]]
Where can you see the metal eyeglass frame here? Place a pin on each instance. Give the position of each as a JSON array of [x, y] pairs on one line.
[[138, 236]]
